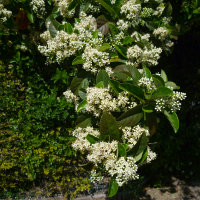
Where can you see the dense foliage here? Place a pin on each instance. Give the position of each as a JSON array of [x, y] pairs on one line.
[[79, 74]]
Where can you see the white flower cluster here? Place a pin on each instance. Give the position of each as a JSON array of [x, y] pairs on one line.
[[99, 99], [94, 176], [62, 46], [123, 25], [139, 37], [4, 13], [132, 134], [86, 23], [124, 170], [81, 142], [150, 155], [159, 10], [124, 102], [148, 83], [38, 7], [146, 12], [94, 59], [70, 97], [63, 8], [131, 9], [161, 33], [149, 54], [102, 151], [94, 8], [112, 1], [173, 103]]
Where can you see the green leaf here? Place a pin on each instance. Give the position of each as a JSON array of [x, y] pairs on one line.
[[113, 29], [60, 76], [131, 117], [147, 108], [82, 94], [72, 5], [121, 76], [173, 119], [139, 148], [162, 92], [95, 34], [172, 85], [159, 82], [83, 121], [147, 72], [134, 90], [164, 75], [127, 40], [30, 17], [53, 27], [137, 109], [113, 188], [131, 120], [100, 84], [104, 47], [81, 106], [68, 28], [78, 60], [115, 86], [75, 84], [103, 76], [84, 84], [144, 156], [92, 139], [108, 127], [108, 8], [121, 151], [122, 50]]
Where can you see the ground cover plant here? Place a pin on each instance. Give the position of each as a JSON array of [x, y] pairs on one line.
[[94, 57]]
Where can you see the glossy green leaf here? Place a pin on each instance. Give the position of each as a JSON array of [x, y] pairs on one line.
[[78, 60], [115, 86], [81, 106], [122, 50], [30, 17], [137, 109], [147, 72], [164, 75], [53, 27], [75, 84], [172, 85], [100, 84], [159, 82], [162, 92], [131, 120], [104, 47], [121, 151], [83, 121], [147, 108], [68, 28], [127, 40], [134, 90], [72, 5], [108, 8], [173, 119], [92, 139], [113, 187], [139, 148], [108, 127], [103, 76]]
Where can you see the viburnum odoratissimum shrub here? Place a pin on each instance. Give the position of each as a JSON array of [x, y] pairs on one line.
[[110, 46]]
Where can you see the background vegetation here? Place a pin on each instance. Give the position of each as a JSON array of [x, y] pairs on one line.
[[35, 125]]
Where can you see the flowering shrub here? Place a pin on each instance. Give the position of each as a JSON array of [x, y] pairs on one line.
[[109, 46]]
